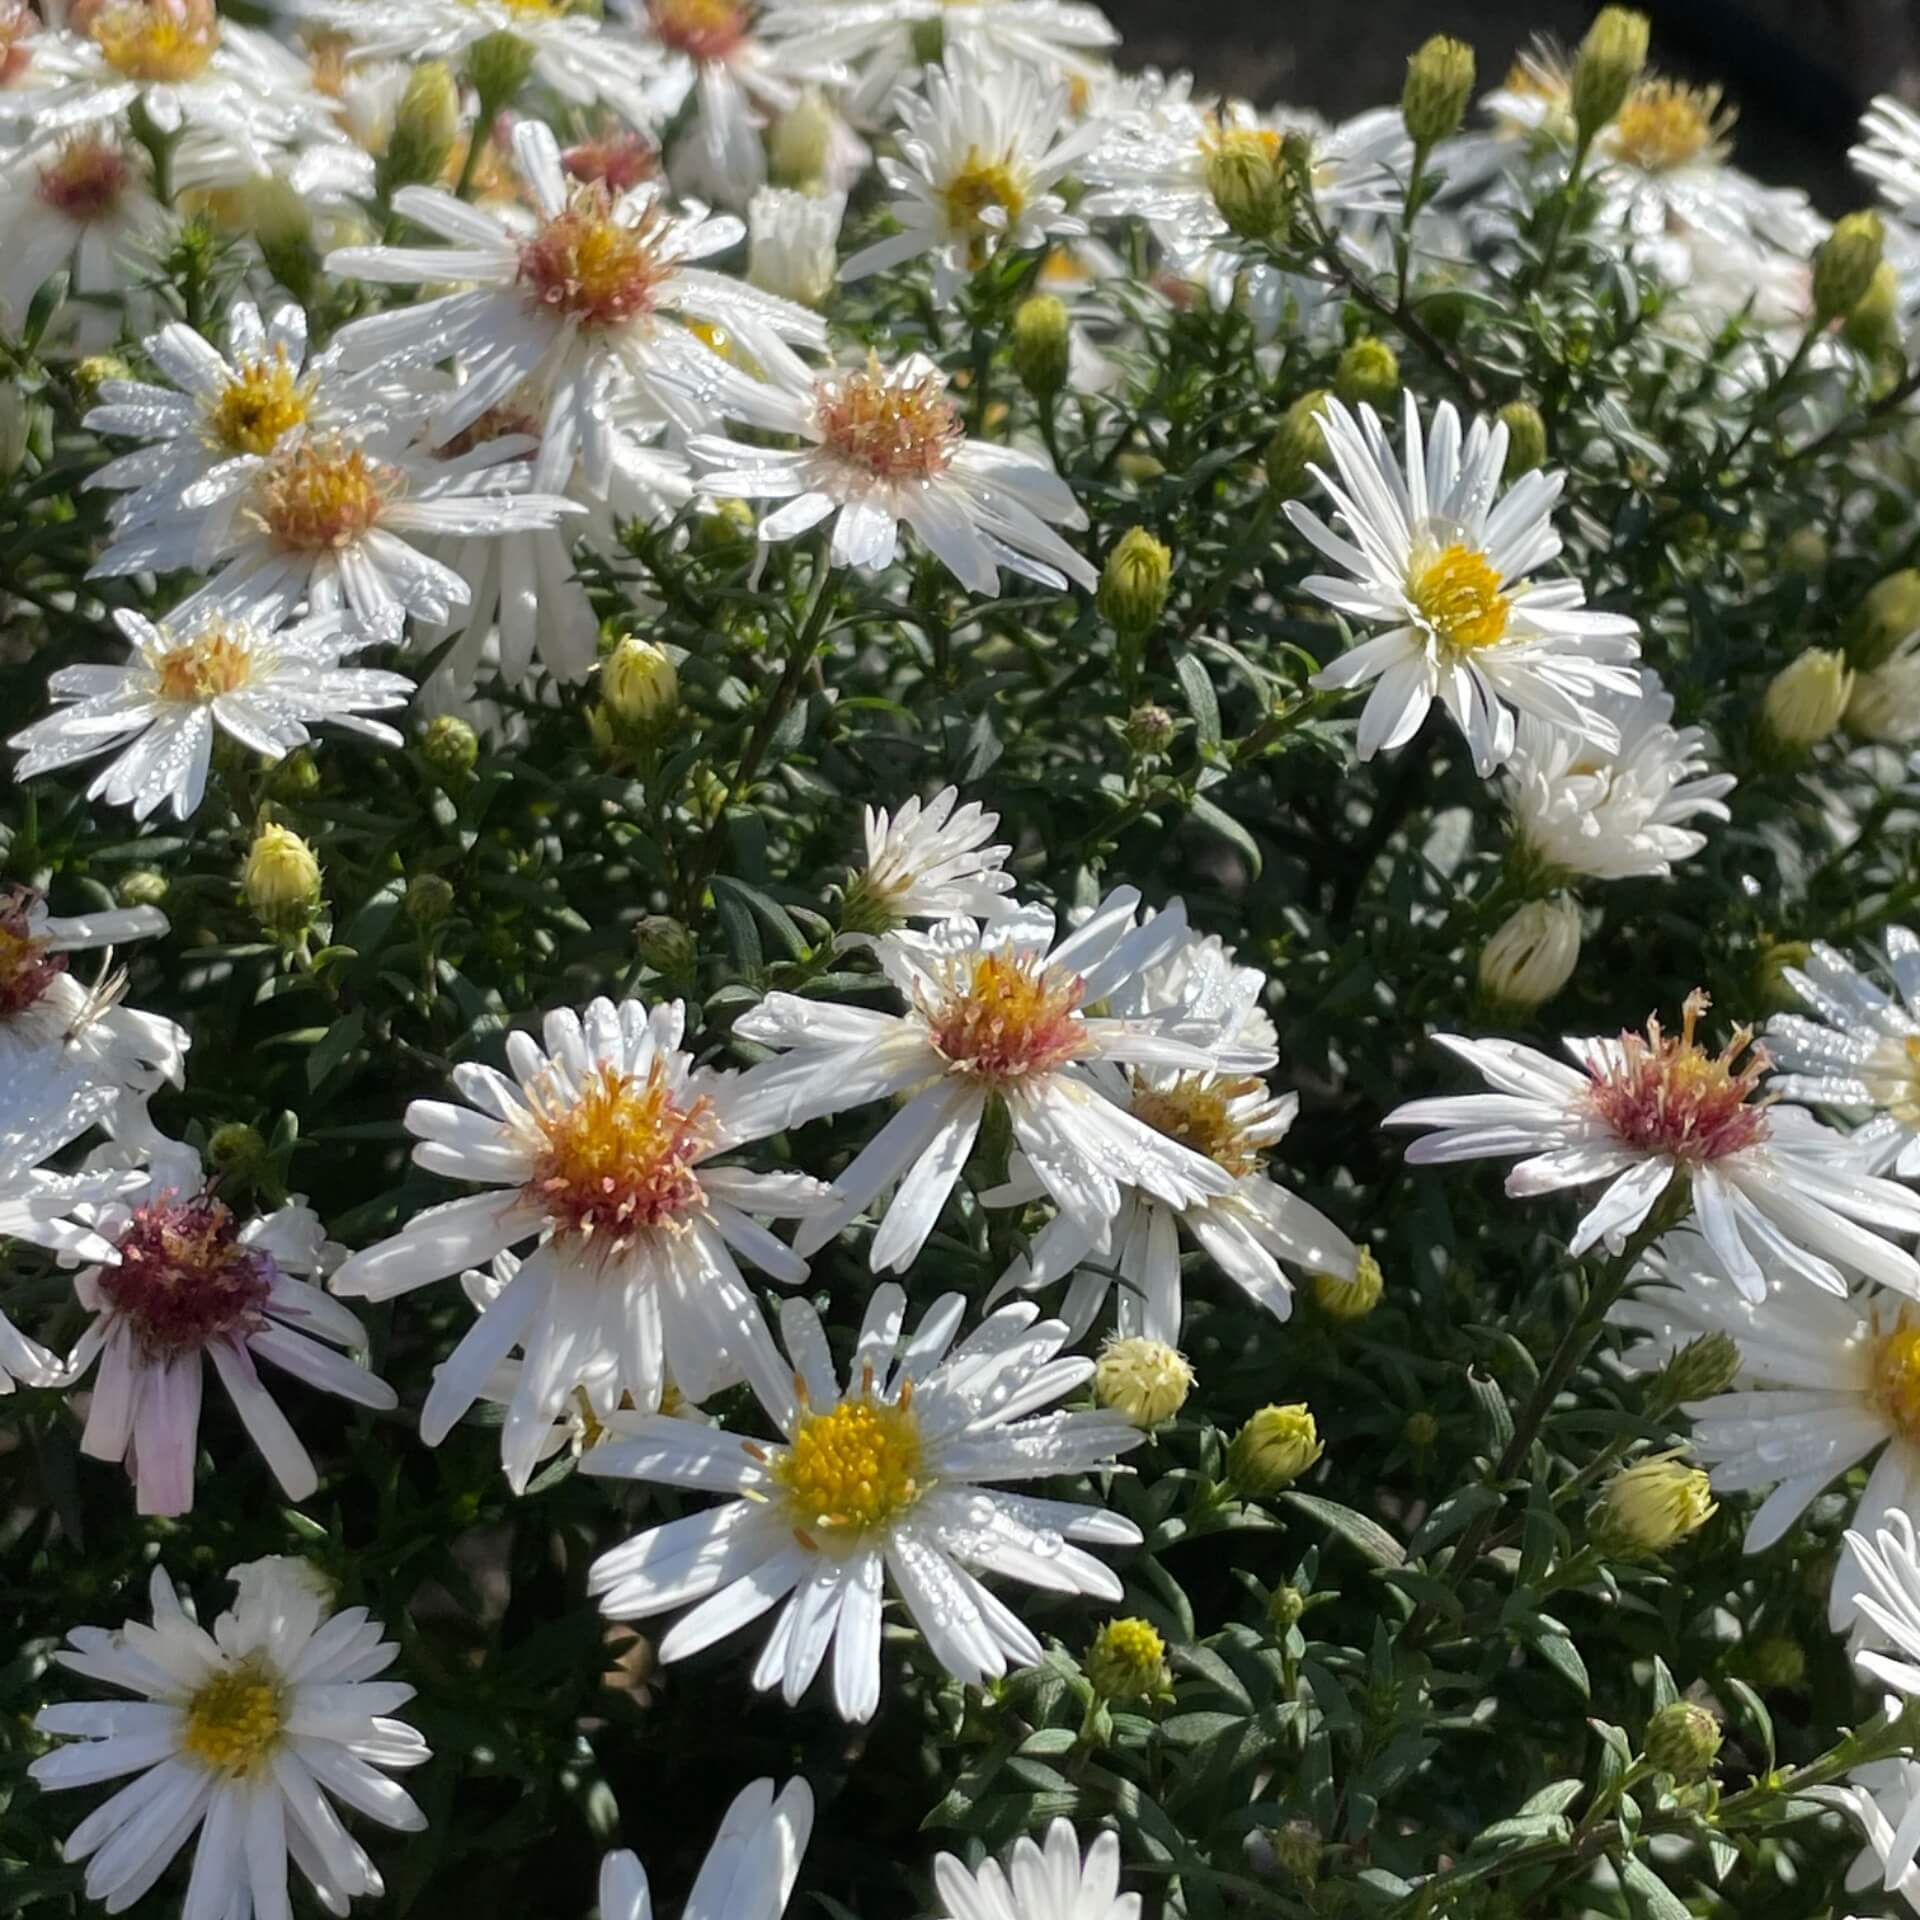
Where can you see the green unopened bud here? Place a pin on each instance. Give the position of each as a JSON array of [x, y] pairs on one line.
[[93, 373], [498, 64], [430, 899], [1144, 1380], [1369, 370], [1041, 344], [281, 880], [425, 126], [1248, 182], [236, 1150], [1420, 1430], [1772, 989], [1532, 955], [1134, 583], [1804, 552], [142, 887], [727, 530], [296, 777], [1652, 1505], [929, 38], [1297, 1848], [1873, 322], [1350, 1296], [1526, 437], [16, 427], [1774, 1660], [1273, 1450], [1128, 1661], [1703, 1367], [1845, 263], [1610, 60], [1439, 84], [800, 141], [1151, 729], [640, 689], [1889, 615], [1298, 442], [1807, 698], [667, 946], [1683, 1739], [450, 747], [281, 222], [1286, 1606]]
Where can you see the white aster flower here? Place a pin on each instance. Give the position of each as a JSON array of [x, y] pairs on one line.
[[246, 1736], [1045, 1882], [983, 149], [1883, 1800], [1616, 813], [749, 1870], [599, 299], [1889, 152], [598, 1147], [885, 1476], [194, 1283], [1890, 1601], [928, 862], [792, 243], [1642, 1113], [883, 446], [1860, 1051], [992, 1010], [243, 674], [1885, 703], [1432, 556]]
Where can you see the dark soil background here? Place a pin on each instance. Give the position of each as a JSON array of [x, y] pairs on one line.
[[1798, 70]]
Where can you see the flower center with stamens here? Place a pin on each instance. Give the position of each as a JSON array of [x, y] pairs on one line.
[[26, 967], [854, 1469], [1891, 1075], [1197, 1111], [85, 179], [263, 401], [619, 1155], [1001, 1015], [701, 29], [157, 40], [618, 161], [1667, 1095], [599, 270], [18, 23], [1666, 125], [323, 494], [983, 182], [184, 1276], [1895, 1389], [888, 426], [1457, 595], [214, 661], [235, 1719]]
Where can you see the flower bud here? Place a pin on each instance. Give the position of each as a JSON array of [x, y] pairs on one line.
[[1844, 264], [1369, 370], [729, 529], [1146, 1380], [1248, 182], [16, 427], [1873, 321], [1273, 1450], [142, 887], [1683, 1739], [93, 373], [1297, 1848], [667, 946], [425, 126], [1350, 1296], [1888, 615], [1648, 1507], [1804, 552], [1128, 1661], [1608, 63], [295, 777], [1438, 86], [1134, 583], [800, 141], [1041, 344], [430, 899], [1703, 1367], [793, 243], [1774, 1660], [450, 747], [1286, 1606], [1526, 437], [1151, 729], [1298, 442], [929, 39], [640, 688], [1885, 706], [281, 880], [236, 1150], [1532, 956], [498, 64], [1806, 699]]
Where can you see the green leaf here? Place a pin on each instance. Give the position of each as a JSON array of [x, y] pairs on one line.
[[1369, 1536], [1203, 810], [1202, 702], [332, 1048], [1651, 1895]]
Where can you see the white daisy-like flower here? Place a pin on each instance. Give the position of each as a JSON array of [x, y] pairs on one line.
[[245, 1736], [882, 446], [599, 1148], [243, 674], [1860, 1050], [598, 299], [1434, 553], [793, 241], [888, 1475], [1890, 1601], [1640, 1113], [1049, 1881], [193, 1283], [1616, 813], [1889, 152], [1883, 1800], [1885, 705], [983, 149], [749, 1870], [928, 862], [1826, 1381], [991, 1010]]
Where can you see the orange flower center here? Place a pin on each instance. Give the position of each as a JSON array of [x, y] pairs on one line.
[[599, 270], [1000, 1016], [1197, 1111], [701, 29], [1668, 1095], [157, 40], [890, 427], [619, 1155], [214, 661], [1666, 125], [323, 494]]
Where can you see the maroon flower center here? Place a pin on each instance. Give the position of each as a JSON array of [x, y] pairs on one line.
[[1668, 1095], [27, 969], [184, 1277], [617, 161]]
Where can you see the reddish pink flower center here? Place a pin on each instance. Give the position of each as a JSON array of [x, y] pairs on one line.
[[18, 22], [184, 1277], [26, 967], [85, 179], [894, 428], [1000, 1016], [701, 29], [619, 1155], [1668, 1095], [599, 269], [617, 161]]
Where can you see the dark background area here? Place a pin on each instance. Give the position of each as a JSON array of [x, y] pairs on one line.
[[1799, 71]]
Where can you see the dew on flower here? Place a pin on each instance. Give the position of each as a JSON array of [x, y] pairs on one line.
[[596, 268], [885, 425], [1003, 1014]]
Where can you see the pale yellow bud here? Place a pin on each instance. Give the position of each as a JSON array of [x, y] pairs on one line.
[[1609, 62], [1845, 264], [1532, 955], [1351, 1296], [1438, 86], [800, 141], [1248, 182], [281, 879], [1651, 1505], [1128, 1661], [1273, 1450], [1807, 698], [639, 684], [1146, 1380]]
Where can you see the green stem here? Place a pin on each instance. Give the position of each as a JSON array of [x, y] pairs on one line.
[[1562, 207]]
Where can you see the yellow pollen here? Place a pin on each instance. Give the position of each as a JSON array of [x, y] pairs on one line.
[[1004, 1015], [251, 413], [895, 428], [1457, 594], [701, 29], [1261, 141], [234, 1720], [1197, 1110], [620, 1155], [213, 661], [852, 1469], [323, 494], [535, 9], [599, 269], [157, 40], [1896, 1376], [981, 183], [1666, 125]]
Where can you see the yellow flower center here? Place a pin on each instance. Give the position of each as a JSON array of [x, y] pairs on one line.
[[619, 1155], [1666, 125], [323, 494], [982, 182], [1457, 595], [1197, 1110], [894, 428], [214, 661], [157, 40], [250, 413], [234, 1719], [587, 264], [1892, 1077], [701, 29], [1896, 1376], [853, 1469], [1000, 1016], [85, 179]]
